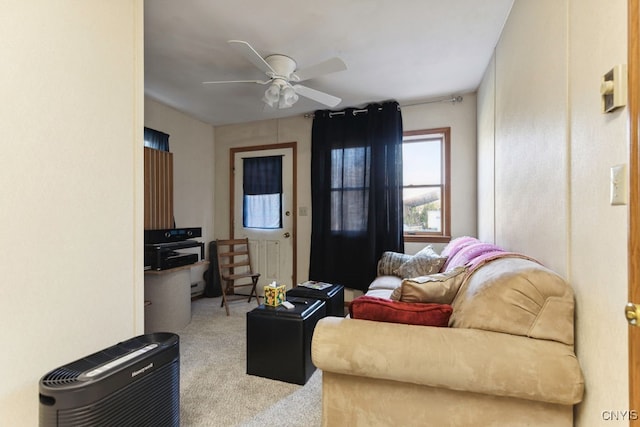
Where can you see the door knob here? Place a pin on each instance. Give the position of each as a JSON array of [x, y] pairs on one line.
[[287, 235], [632, 313]]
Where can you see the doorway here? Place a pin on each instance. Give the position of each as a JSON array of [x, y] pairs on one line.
[[272, 246], [633, 11]]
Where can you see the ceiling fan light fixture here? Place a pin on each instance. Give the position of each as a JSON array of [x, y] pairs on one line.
[[280, 94], [269, 103], [272, 94], [288, 97]]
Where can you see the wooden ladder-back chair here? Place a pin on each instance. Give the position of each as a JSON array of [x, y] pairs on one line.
[[234, 264]]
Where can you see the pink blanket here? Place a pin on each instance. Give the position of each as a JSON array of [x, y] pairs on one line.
[[456, 244], [468, 253], [472, 253], [486, 257]]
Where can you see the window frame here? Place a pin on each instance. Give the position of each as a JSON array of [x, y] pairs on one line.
[[444, 235]]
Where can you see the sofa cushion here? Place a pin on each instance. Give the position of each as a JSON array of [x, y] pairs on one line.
[[380, 293], [385, 282], [516, 296], [390, 261], [384, 310], [470, 361], [437, 288], [425, 262]]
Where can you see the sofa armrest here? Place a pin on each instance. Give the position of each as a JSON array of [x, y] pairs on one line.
[[470, 360]]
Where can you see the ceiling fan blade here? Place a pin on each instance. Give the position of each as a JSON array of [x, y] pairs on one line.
[[316, 95], [261, 82], [332, 65], [250, 53]]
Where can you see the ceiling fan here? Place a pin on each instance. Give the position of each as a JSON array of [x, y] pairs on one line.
[[281, 72]]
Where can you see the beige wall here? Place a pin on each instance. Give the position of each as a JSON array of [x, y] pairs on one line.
[[545, 151], [597, 41], [71, 175], [191, 142], [461, 117], [530, 133], [486, 100]]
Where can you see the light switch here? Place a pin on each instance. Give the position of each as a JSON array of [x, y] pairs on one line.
[[618, 185]]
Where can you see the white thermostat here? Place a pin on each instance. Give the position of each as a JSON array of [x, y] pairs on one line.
[[613, 88]]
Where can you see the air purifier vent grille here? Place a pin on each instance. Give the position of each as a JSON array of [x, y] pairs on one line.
[[61, 376], [152, 401]]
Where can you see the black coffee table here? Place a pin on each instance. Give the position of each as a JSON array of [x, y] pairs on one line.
[[279, 340], [332, 296]]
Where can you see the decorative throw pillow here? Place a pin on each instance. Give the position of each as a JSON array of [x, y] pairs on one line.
[[423, 263], [385, 310], [390, 261], [438, 288]]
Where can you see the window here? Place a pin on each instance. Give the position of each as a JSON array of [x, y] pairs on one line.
[[349, 189], [156, 139], [426, 185]]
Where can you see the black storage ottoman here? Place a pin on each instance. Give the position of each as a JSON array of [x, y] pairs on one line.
[[279, 340], [333, 297]]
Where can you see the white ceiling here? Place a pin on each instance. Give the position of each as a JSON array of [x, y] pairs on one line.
[[406, 50]]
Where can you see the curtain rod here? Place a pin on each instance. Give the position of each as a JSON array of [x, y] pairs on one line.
[[453, 100]]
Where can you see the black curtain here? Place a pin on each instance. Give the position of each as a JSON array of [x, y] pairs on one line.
[[356, 192], [156, 139], [262, 176]]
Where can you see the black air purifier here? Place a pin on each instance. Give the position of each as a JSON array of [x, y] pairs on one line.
[[133, 383]]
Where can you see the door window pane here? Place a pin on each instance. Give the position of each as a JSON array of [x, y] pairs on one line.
[[262, 211], [262, 192]]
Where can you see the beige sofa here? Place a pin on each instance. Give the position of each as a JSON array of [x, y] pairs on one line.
[[506, 359]]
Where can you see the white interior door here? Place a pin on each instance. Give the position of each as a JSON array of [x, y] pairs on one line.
[[271, 249]]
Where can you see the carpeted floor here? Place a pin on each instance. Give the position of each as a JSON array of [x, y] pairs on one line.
[[214, 387]]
